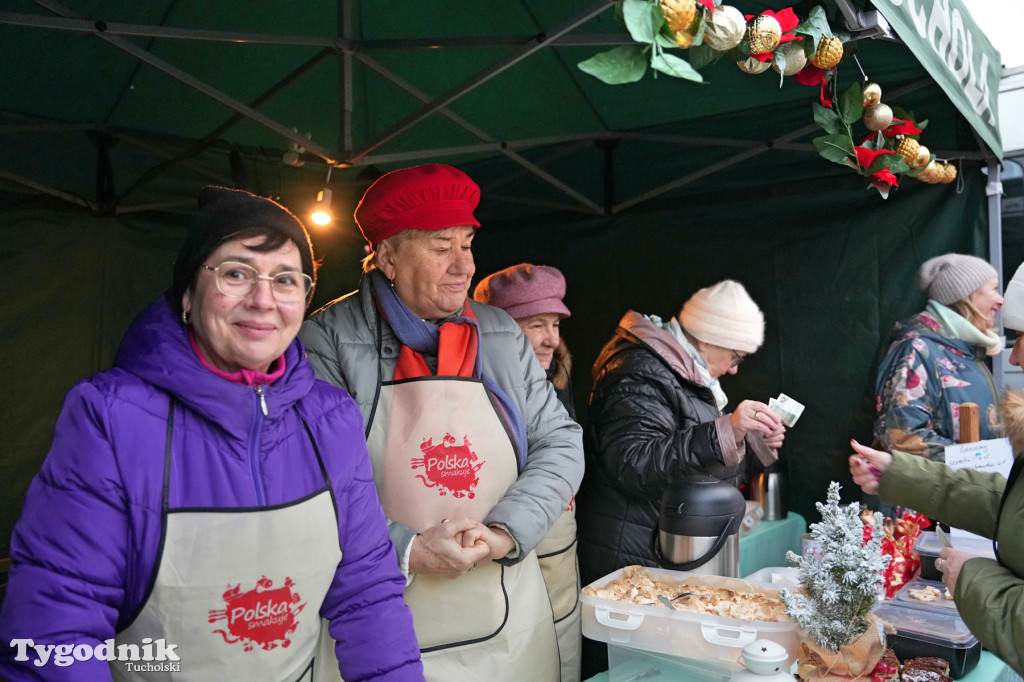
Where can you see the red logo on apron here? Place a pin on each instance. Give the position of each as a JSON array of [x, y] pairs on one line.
[[261, 616], [448, 467]]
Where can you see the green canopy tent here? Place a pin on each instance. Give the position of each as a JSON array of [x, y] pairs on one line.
[[113, 114]]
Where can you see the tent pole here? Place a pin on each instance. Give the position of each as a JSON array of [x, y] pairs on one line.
[[541, 41], [491, 143], [202, 87], [994, 192]]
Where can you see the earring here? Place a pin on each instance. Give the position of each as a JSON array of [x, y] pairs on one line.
[[186, 317]]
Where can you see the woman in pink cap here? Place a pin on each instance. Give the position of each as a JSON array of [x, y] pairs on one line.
[[473, 456], [532, 295]]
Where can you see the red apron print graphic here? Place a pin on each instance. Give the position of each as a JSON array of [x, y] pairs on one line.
[[262, 616], [270, 631], [450, 468]]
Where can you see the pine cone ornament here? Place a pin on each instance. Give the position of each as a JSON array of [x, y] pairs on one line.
[[753, 66], [872, 94], [948, 172], [924, 155], [877, 117], [828, 54], [678, 14], [684, 39], [763, 34], [907, 148], [724, 28], [796, 60]]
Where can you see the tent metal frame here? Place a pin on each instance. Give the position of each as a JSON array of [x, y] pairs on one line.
[[863, 24]]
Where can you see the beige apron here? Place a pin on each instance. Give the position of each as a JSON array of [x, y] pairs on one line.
[[557, 556], [239, 592], [440, 451]]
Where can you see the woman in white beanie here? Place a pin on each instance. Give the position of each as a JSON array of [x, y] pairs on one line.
[[989, 593], [656, 415], [937, 360]]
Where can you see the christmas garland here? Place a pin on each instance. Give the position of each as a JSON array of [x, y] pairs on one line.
[[808, 50]]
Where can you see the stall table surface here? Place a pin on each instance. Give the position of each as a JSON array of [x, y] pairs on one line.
[[766, 545]]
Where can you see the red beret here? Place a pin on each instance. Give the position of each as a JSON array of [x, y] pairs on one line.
[[429, 197]]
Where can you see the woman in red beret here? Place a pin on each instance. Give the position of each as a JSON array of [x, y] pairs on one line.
[[532, 295], [474, 457]]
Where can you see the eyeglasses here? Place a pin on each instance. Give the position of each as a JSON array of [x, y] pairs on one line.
[[738, 361], [238, 279]]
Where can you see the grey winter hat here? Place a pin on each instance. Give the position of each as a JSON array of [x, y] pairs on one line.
[[953, 277], [1013, 302]]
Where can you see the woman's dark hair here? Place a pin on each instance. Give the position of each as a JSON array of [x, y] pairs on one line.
[[227, 214]]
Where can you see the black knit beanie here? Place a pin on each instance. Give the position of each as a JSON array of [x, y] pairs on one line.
[[226, 214]]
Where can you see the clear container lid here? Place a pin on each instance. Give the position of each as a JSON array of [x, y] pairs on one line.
[[917, 584], [937, 626], [928, 542]]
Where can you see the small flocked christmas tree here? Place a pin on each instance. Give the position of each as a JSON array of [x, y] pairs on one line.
[[840, 586]]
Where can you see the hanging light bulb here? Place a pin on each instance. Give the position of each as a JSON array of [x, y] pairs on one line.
[[322, 211], [321, 214]]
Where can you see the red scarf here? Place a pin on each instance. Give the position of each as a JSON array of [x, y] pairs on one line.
[[456, 352]]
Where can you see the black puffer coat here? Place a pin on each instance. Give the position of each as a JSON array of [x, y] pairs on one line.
[[651, 420]]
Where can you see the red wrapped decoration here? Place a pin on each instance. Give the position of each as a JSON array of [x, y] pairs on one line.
[[898, 543]]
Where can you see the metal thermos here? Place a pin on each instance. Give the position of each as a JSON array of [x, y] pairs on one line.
[[768, 491], [698, 528]]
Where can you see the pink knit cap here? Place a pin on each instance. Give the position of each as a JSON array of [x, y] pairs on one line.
[[524, 290], [429, 197]]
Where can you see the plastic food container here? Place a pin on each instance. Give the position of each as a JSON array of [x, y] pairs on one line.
[[630, 665], [904, 599], [776, 577], [928, 546], [930, 632], [680, 633]]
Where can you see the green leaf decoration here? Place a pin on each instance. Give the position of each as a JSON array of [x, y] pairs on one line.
[[829, 121], [664, 38], [643, 19], [674, 66], [740, 52], [813, 28], [921, 125], [625, 64], [835, 148], [851, 104], [779, 57], [703, 55], [898, 166]]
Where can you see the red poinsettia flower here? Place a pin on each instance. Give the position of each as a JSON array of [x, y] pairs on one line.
[[865, 156], [811, 75], [710, 4], [901, 126], [886, 176]]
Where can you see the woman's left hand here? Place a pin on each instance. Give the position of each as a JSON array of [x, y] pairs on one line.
[[950, 562], [498, 541]]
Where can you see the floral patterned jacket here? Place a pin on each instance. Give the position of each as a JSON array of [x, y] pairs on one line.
[[925, 376]]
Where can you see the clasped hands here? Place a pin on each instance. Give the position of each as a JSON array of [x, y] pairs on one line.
[[753, 415], [453, 547]]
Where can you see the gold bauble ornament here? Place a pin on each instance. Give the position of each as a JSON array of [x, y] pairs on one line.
[[924, 155], [795, 58], [930, 174], [877, 117], [763, 34], [678, 13], [753, 66], [948, 172], [829, 52], [872, 94], [907, 148], [724, 28]]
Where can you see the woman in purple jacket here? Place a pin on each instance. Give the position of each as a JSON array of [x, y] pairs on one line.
[[207, 509]]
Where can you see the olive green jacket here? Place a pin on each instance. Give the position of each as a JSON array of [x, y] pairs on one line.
[[989, 594]]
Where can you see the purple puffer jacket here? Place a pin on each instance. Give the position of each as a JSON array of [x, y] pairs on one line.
[[88, 538]]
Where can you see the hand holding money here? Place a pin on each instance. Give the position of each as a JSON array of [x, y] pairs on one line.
[[753, 415], [788, 409]]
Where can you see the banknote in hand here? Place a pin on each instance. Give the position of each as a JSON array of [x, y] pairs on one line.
[[788, 409]]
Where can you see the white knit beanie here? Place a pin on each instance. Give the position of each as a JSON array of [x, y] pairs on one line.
[[1013, 302], [724, 315], [953, 277]]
